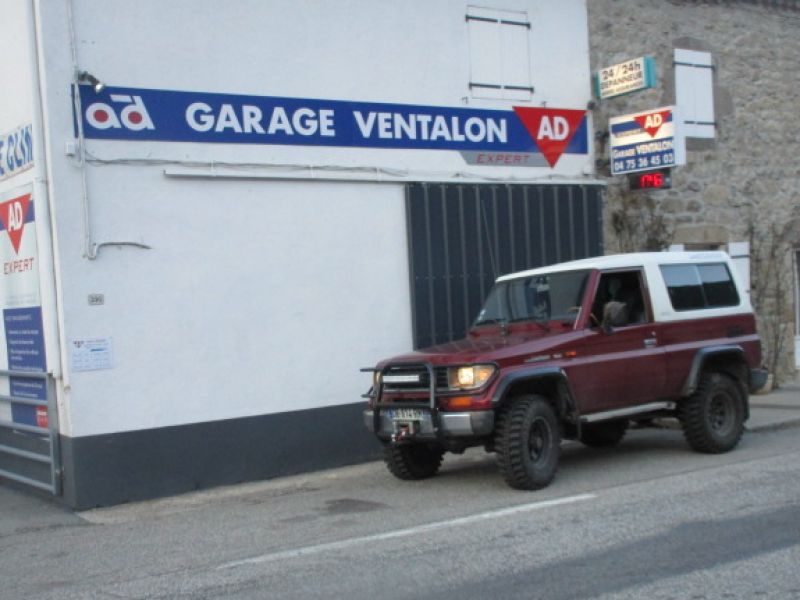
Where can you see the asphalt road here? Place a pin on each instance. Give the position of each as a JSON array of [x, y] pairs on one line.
[[650, 519]]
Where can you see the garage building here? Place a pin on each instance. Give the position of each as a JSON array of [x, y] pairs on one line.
[[214, 215]]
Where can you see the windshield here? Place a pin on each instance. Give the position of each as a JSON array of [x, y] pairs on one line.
[[551, 297]]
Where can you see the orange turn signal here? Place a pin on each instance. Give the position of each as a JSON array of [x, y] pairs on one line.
[[459, 402]]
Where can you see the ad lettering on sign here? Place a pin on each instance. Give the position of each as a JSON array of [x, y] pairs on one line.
[[652, 122], [552, 129], [176, 116], [12, 218], [132, 114]]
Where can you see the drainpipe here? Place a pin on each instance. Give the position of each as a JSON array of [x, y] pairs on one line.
[[51, 293]]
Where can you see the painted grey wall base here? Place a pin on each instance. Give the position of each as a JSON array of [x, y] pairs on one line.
[[108, 469]]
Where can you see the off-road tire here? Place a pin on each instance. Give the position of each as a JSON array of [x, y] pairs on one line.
[[413, 461], [713, 417], [604, 435], [528, 442]]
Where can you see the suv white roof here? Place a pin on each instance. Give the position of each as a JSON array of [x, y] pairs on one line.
[[621, 261], [650, 262]]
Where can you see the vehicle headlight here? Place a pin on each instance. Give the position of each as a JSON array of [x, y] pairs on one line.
[[469, 378]]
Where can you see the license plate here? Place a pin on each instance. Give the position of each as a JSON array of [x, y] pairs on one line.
[[407, 414]]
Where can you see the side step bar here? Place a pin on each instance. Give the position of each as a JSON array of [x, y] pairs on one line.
[[627, 412]]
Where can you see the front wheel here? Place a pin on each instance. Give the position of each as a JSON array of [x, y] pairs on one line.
[[413, 461], [713, 417], [528, 443]]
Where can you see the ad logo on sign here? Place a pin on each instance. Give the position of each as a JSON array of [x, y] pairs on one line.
[[12, 217], [652, 122], [552, 128], [133, 116]]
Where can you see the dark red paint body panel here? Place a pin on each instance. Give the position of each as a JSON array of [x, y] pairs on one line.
[[630, 365]]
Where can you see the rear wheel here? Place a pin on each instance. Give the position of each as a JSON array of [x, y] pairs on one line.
[[603, 435], [528, 443], [713, 417], [413, 461]]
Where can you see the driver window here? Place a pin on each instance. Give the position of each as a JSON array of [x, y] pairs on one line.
[[619, 300]]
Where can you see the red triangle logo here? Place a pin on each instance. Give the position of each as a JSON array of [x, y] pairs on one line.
[[652, 122], [12, 216], [552, 128]]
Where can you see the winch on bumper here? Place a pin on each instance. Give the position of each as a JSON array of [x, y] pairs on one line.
[[405, 406]]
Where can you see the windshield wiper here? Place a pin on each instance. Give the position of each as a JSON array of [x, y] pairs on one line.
[[501, 322], [542, 324]]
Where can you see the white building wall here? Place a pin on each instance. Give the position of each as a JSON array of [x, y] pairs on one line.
[[258, 296], [16, 99]]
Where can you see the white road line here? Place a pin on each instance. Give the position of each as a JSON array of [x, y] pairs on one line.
[[399, 533]]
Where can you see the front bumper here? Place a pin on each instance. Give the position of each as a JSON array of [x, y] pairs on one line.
[[477, 423]]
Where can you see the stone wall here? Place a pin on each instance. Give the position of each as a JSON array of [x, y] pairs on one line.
[[744, 185]]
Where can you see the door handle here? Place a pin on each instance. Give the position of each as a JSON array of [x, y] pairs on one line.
[[650, 342]]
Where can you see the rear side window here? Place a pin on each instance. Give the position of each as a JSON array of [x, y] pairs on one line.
[[693, 287]]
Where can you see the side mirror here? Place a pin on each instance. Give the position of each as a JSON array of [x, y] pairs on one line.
[[615, 314]]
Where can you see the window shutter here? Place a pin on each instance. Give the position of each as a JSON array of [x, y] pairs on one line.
[[499, 54], [694, 92]]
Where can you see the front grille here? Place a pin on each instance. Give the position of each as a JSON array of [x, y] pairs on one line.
[[404, 378], [412, 378]]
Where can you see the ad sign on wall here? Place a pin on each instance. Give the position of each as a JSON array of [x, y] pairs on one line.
[[21, 333], [645, 141], [16, 151], [524, 136], [623, 78]]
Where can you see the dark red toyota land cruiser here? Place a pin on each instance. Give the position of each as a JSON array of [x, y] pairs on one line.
[[577, 350]]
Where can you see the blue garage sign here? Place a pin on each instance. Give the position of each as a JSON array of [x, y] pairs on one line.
[[16, 151], [645, 141], [179, 116], [21, 329]]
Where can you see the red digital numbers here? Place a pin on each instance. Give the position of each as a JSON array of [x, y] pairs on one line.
[[653, 180]]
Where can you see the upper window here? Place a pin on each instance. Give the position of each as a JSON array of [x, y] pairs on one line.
[[498, 54], [694, 92], [693, 287]]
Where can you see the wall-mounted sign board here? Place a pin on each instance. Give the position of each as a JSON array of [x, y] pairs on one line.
[[629, 76], [645, 141], [523, 136]]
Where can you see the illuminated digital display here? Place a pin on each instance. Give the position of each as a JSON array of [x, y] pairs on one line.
[[651, 180]]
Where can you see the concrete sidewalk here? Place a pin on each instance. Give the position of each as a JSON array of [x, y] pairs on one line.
[[775, 410]]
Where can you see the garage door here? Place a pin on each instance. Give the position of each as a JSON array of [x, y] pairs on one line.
[[462, 237]]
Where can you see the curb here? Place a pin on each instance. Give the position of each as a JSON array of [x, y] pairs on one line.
[[788, 424]]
